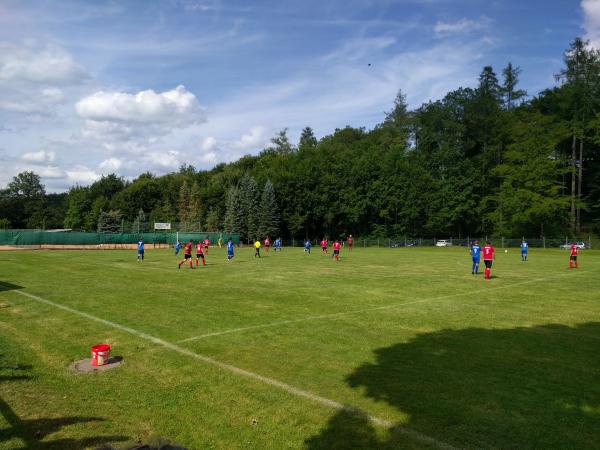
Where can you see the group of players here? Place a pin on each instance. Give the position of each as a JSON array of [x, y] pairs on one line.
[[475, 250], [337, 246], [202, 247], [489, 255]]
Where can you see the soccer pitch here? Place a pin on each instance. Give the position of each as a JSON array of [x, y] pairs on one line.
[[388, 348]]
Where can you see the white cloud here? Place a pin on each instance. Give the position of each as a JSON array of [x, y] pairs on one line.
[[39, 157], [53, 95], [36, 79], [110, 165], [163, 160], [209, 158], [254, 139], [81, 175], [591, 22], [463, 25], [50, 65], [177, 107], [357, 49], [49, 171], [208, 143]]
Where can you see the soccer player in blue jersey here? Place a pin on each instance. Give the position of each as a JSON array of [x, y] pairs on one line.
[[475, 252], [307, 246], [229, 250], [177, 248], [140, 255], [524, 250]]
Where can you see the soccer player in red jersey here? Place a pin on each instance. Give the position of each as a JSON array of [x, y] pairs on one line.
[[336, 250], [267, 244], [488, 257], [324, 246], [206, 244], [573, 256], [199, 253], [350, 242], [187, 255]]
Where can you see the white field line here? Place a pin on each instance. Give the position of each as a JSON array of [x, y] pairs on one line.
[[298, 392], [369, 309]]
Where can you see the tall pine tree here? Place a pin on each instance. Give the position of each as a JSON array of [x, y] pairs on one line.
[[268, 215]]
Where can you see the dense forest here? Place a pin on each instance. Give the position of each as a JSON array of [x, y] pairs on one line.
[[486, 160]]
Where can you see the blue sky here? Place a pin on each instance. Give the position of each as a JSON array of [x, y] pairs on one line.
[[90, 88]]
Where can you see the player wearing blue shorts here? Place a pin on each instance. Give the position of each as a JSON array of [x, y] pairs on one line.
[[476, 256], [524, 250], [140, 255], [229, 250]]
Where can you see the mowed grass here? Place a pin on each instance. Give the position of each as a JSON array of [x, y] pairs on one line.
[[408, 336]]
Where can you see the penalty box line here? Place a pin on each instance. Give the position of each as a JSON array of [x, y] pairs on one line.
[[362, 310], [298, 392]]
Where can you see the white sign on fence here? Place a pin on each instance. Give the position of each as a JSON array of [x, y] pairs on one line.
[[162, 226]]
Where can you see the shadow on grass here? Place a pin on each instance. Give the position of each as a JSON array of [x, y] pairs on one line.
[[6, 286], [535, 387], [32, 432]]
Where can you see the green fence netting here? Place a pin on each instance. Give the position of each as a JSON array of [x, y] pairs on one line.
[[27, 237]]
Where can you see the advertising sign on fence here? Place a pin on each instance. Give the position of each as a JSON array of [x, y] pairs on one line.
[[162, 226]]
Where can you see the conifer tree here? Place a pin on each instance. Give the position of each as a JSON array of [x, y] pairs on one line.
[[268, 215], [183, 205]]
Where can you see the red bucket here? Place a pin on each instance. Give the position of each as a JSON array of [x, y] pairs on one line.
[[100, 354]]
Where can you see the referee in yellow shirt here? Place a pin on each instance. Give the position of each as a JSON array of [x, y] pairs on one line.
[[257, 248]]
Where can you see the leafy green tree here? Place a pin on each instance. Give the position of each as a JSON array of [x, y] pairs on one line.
[[91, 218], [106, 186], [581, 78], [26, 185], [195, 206], [213, 220], [78, 207], [183, 205], [530, 198]]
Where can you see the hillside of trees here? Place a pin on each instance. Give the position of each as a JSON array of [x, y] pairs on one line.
[[486, 160]]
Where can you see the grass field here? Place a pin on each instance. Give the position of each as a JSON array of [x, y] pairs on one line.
[[389, 348]]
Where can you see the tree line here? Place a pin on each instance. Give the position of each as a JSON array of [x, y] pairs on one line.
[[484, 160]]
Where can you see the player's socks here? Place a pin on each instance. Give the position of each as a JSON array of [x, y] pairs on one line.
[[570, 264], [191, 265], [203, 263], [487, 273]]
